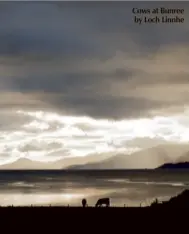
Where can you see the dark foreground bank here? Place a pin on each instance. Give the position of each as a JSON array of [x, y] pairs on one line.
[[90, 219], [56, 219]]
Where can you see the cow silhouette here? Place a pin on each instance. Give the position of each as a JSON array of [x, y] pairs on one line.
[[84, 202], [103, 201]]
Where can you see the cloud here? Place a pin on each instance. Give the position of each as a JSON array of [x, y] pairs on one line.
[[114, 69], [34, 136], [89, 61]]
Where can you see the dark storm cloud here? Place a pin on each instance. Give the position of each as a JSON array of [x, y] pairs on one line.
[[90, 58], [99, 106]]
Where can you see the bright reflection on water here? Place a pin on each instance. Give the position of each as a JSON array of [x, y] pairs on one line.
[[60, 188], [38, 199]]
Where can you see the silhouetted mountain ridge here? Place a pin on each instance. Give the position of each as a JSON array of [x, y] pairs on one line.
[[180, 165]]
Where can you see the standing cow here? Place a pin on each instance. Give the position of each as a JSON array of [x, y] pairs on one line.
[[84, 202]]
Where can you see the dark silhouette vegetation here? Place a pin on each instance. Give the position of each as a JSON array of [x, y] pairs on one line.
[[179, 201], [180, 165]]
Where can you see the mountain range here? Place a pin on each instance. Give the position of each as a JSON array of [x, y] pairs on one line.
[[28, 164], [145, 159]]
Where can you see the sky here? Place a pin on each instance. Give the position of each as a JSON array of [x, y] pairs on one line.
[[81, 78]]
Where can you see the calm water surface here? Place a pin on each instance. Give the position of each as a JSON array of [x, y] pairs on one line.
[[131, 188]]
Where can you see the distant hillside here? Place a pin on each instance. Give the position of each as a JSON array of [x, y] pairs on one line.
[[148, 158], [183, 158], [109, 163], [181, 165], [28, 164], [25, 164]]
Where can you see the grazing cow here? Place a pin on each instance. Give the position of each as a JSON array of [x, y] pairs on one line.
[[103, 201]]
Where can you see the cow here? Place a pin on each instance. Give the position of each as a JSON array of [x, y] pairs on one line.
[[84, 202], [103, 201]]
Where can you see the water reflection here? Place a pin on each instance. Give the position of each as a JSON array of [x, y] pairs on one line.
[[59, 189]]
